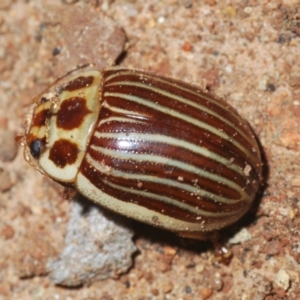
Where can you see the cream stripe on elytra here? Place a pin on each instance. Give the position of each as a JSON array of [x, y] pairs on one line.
[[163, 139], [177, 114], [141, 213], [101, 167], [165, 161], [164, 93], [123, 111], [167, 200], [119, 119]]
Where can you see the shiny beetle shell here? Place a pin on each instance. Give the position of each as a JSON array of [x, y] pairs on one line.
[[152, 148]]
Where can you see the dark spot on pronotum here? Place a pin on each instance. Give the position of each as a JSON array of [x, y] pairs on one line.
[[72, 113], [63, 153], [40, 118], [35, 148], [79, 83]]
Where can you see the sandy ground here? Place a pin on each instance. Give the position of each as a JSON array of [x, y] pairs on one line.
[[245, 51]]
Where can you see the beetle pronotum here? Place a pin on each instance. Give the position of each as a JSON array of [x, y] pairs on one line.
[[152, 148]]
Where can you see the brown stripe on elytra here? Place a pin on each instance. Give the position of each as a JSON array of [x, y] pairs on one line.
[[167, 172], [78, 83], [173, 153], [98, 179], [165, 125], [168, 151], [63, 152], [39, 119], [71, 113], [130, 144], [159, 170]]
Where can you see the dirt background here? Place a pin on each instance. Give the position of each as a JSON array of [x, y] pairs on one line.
[[245, 51]]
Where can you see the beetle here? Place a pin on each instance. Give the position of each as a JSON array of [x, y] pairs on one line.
[[155, 149]]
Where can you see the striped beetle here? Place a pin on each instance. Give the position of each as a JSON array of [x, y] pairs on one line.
[[152, 148]]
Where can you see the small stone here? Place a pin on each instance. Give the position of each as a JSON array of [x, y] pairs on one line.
[[155, 292], [170, 250], [282, 279], [229, 12], [248, 10], [237, 96], [263, 83], [295, 182], [167, 287], [206, 293], [187, 47], [245, 297], [98, 245], [240, 237], [273, 248], [217, 283], [188, 289], [199, 268]]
